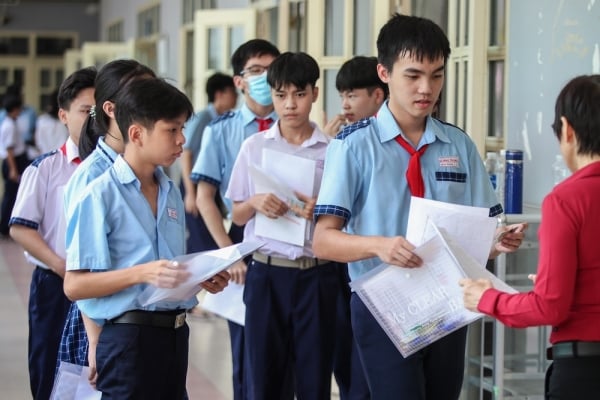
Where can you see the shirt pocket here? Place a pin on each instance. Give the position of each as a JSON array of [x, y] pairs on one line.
[[451, 185]]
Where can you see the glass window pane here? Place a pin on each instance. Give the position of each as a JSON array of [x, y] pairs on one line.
[[273, 15], [466, 24], [4, 77], [496, 99], [189, 62], [48, 46], [363, 21], [19, 76], [497, 22], [465, 90], [236, 38], [333, 103], [45, 78], [59, 76], [14, 45], [334, 27], [297, 32], [215, 39]]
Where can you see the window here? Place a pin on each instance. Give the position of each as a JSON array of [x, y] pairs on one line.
[[149, 22], [52, 46], [14, 46], [190, 7], [115, 32], [476, 70]]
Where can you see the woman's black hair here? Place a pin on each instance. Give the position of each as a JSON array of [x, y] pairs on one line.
[[109, 81]]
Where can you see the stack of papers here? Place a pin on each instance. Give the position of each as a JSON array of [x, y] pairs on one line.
[[286, 173], [417, 306]]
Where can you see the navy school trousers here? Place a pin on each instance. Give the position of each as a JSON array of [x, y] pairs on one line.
[[48, 308], [435, 372], [290, 330], [142, 362]]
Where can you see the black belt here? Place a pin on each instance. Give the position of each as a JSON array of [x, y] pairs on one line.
[[573, 350], [158, 319]]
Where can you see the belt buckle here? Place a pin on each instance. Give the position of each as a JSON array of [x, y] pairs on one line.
[[179, 320], [307, 262]]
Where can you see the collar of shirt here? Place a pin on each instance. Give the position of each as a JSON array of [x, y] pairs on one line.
[[125, 175], [317, 135], [212, 111], [72, 150], [388, 128], [248, 116], [106, 150]]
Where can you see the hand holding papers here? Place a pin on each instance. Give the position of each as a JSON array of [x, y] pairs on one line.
[[201, 266], [417, 306], [298, 174]]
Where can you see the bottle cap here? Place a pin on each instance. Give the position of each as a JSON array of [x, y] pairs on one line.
[[514, 155]]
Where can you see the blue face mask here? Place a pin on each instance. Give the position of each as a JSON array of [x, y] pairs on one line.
[[259, 89]]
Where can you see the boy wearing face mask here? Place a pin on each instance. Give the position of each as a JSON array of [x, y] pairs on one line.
[[221, 142]]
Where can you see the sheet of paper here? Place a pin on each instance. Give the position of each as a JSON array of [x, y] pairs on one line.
[[470, 227], [201, 266], [228, 304], [71, 383], [417, 306], [286, 174]]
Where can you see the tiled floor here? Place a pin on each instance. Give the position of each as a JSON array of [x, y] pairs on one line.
[[210, 361]]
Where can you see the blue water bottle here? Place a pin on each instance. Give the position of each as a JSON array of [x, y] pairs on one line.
[[513, 184]]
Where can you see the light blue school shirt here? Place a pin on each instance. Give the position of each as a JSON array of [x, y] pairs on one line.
[[97, 163], [221, 143], [364, 181], [194, 129], [112, 227]]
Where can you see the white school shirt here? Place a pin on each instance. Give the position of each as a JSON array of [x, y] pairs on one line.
[[39, 203], [9, 137], [241, 186]]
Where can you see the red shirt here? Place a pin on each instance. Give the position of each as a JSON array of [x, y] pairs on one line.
[[566, 294]]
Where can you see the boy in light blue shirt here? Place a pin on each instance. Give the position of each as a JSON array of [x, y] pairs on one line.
[[123, 231], [372, 169]]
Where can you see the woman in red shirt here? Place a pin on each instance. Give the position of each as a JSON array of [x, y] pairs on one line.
[[566, 294]]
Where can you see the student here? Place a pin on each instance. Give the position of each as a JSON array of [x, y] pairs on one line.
[[363, 204], [14, 155], [290, 295], [38, 224], [221, 142], [565, 293], [26, 121], [361, 90], [50, 132], [100, 130], [222, 97], [133, 213]]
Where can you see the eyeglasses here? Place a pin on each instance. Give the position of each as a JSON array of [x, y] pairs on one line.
[[253, 70]]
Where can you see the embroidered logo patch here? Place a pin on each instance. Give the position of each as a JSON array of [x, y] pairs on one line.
[[449, 161], [172, 213]]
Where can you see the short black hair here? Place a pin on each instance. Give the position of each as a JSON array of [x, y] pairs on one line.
[[218, 82], [579, 103], [146, 101], [69, 88], [11, 102], [360, 72], [419, 37], [252, 48], [298, 69]]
